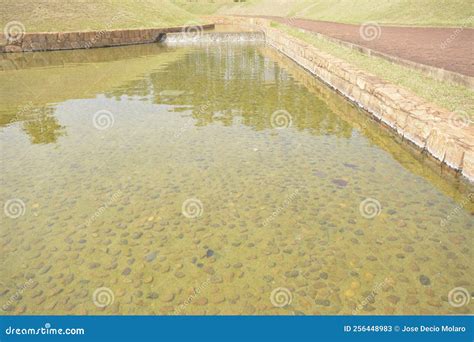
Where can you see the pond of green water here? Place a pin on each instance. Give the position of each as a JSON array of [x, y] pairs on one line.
[[216, 179]]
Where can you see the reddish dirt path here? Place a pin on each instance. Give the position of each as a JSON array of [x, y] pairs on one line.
[[447, 48]]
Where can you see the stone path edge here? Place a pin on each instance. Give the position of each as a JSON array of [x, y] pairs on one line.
[[436, 131]]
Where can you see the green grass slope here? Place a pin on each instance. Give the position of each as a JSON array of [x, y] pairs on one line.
[[75, 15], [396, 12], [71, 15]]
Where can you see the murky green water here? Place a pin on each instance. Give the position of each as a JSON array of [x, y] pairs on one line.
[[214, 180]]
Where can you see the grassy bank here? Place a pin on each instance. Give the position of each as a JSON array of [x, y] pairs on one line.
[[78, 15], [448, 95], [71, 15], [398, 12]]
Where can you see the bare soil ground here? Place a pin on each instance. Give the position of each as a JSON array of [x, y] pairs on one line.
[[447, 48]]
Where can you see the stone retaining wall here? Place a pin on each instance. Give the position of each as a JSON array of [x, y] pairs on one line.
[[45, 41], [447, 136]]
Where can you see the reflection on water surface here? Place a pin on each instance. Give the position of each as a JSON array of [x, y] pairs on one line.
[[214, 180]]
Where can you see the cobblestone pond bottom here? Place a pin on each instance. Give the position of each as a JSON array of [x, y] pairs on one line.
[[215, 179]]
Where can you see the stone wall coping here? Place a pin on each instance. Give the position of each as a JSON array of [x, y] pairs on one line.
[[161, 29], [49, 41]]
